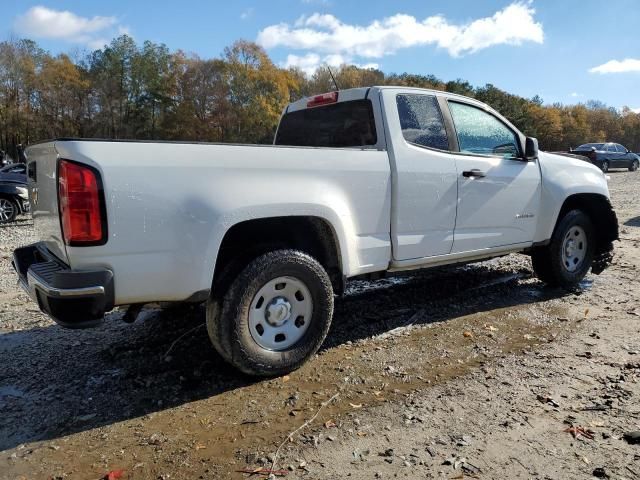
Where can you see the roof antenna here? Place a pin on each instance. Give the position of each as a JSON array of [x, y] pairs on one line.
[[333, 78]]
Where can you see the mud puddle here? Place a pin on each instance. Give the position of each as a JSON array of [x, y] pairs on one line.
[[216, 436]]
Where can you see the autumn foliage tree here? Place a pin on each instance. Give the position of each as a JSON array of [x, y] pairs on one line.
[[133, 91]]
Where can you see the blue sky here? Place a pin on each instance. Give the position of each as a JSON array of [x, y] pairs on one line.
[[566, 51]]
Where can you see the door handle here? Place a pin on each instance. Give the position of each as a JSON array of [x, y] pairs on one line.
[[475, 173]]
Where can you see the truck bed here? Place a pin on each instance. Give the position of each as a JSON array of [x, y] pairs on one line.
[[168, 205]]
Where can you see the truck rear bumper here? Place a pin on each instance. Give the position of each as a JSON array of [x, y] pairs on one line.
[[72, 299]]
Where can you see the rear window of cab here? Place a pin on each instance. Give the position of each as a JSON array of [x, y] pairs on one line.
[[339, 125]]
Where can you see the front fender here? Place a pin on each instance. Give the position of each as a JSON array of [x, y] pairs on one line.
[[562, 178]]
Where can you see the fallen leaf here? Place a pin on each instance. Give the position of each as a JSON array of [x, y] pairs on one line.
[[578, 432], [286, 378], [467, 334], [329, 424], [113, 475], [200, 446], [354, 405]]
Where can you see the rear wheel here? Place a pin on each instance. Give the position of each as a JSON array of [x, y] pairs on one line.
[[567, 259], [605, 166], [274, 316], [8, 210], [634, 166]]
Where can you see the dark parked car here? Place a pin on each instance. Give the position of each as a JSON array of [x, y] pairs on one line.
[[609, 155], [14, 199], [15, 171]]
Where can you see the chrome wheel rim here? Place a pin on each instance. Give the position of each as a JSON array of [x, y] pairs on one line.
[[574, 248], [7, 210], [280, 313]]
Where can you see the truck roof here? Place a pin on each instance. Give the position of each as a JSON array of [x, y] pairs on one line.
[[360, 93]]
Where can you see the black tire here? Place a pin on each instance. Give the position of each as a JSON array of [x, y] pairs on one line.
[[634, 166], [547, 261], [213, 322], [228, 321], [8, 210], [605, 166]]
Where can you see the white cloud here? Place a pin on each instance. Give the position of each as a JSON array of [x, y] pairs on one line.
[[310, 62], [635, 110], [247, 13], [618, 66], [43, 22], [307, 63], [97, 43], [328, 35], [575, 94]]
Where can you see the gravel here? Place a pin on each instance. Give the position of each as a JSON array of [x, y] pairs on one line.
[[437, 366]]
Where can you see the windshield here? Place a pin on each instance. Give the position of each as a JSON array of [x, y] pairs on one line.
[[589, 146], [19, 169]]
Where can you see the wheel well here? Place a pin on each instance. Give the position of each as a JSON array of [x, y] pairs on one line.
[[601, 213], [247, 240]]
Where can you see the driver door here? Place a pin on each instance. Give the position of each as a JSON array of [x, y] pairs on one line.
[[622, 159], [498, 192], [611, 155]]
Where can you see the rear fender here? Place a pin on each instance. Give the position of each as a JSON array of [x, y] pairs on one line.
[[343, 232]]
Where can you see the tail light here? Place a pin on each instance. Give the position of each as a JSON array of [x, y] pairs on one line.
[[81, 203], [324, 99]]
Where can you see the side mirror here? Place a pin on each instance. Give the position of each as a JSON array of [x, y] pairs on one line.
[[531, 149]]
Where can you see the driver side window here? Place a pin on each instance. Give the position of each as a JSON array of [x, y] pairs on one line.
[[480, 133]]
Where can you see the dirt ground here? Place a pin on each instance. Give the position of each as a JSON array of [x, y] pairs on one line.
[[470, 372]]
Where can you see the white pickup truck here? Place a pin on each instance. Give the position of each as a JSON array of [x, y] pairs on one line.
[[358, 182]]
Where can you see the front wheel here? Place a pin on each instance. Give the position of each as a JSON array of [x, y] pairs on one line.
[[275, 315], [634, 166], [569, 255], [8, 210], [605, 166]]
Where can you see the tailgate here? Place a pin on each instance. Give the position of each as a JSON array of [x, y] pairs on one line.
[[43, 194]]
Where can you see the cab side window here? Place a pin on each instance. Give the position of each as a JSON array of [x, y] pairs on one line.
[[480, 133], [421, 121]]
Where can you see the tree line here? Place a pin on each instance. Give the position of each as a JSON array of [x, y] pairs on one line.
[[131, 91]]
